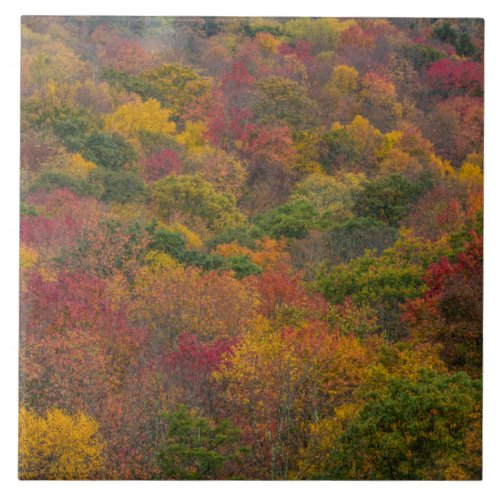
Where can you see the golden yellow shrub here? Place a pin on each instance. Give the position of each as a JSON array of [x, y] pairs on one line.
[[59, 445]]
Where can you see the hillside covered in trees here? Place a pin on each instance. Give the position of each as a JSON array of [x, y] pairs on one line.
[[251, 248]]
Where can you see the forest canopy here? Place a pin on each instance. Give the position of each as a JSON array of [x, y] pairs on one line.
[[251, 248]]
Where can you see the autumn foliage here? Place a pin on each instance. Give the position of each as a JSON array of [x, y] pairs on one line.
[[251, 248]]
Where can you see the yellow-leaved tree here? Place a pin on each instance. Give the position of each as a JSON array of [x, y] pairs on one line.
[[135, 117], [79, 166], [59, 445]]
